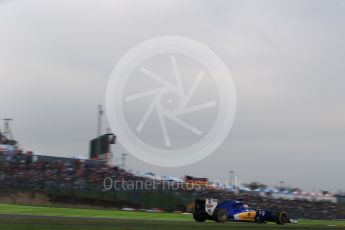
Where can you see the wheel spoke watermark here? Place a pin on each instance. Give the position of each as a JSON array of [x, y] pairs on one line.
[[171, 101]]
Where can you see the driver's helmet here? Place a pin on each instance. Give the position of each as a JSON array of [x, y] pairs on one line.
[[245, 206]]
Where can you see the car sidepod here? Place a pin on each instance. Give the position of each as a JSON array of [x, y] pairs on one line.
[[248, 216]]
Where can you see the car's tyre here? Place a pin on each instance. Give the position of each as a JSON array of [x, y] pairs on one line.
[[199, 216], [259, 221], [221, 215], [282, 218]]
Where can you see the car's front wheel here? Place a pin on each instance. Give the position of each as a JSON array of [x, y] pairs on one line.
[[221, 215]]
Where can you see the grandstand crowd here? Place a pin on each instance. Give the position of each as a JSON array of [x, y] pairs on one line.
[[26, 172]]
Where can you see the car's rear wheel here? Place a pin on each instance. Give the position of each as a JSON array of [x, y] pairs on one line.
[[259, 221], [221, 215], [199, 216], [282, 218]]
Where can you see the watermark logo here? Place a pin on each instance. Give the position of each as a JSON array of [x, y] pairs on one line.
[[112, 184], [171, 101]]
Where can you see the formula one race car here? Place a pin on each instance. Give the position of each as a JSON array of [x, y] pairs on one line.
[[236, 211]]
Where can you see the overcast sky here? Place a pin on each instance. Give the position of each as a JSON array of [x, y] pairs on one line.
[[286, 58]]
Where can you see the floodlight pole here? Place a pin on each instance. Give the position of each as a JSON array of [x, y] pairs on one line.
[[282, 184], [232, 177], [7, 133], [123, 160], [99, 128]]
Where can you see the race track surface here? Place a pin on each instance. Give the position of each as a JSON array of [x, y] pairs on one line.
[[34, 222]]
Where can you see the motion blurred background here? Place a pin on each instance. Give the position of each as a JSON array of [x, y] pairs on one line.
[[286, 58]]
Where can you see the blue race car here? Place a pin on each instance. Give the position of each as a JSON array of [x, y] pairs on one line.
[[236, 211]]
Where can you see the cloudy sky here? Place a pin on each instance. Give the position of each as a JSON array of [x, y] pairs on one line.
[[286, 58]]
